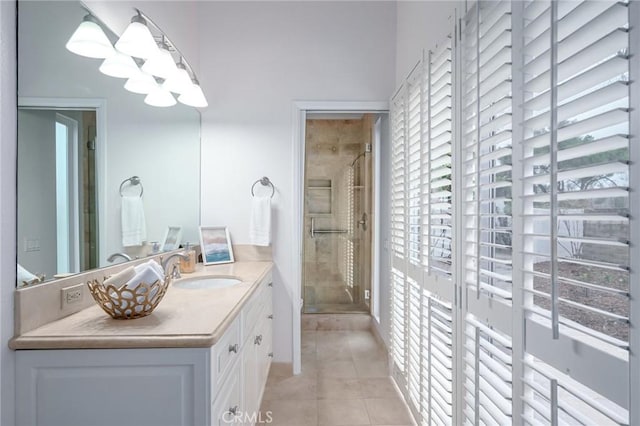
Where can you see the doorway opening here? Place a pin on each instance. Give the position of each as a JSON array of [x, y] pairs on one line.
[[339, 212]]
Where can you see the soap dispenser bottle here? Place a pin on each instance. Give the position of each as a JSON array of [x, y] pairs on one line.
[[188, 265]]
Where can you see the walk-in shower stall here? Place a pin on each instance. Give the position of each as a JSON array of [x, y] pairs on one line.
[[338, 213]]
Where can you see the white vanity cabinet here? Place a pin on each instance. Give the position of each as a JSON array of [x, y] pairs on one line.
[[164, 386]]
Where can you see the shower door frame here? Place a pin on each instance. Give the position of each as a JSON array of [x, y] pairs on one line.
[[300, 110]]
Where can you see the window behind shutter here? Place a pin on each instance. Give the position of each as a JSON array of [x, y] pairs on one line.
[[576, 210]]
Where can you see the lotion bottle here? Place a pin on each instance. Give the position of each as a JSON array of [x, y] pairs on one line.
[[189, 265]]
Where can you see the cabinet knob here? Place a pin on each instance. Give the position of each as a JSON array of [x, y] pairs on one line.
[[270, 284], [270, 354], [270, 316], [234, 348], [258, 340], [233, 410]]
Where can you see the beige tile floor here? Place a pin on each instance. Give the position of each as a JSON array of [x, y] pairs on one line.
[[344, 381]]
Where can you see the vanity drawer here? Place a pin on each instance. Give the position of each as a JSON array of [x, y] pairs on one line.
[[224, 354], [253, 309]]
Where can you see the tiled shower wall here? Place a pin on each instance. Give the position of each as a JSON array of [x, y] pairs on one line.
[[336, 195]]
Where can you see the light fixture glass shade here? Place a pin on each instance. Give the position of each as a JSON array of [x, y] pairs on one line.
[[89, 40], [161, 64], [119, 65], [194, 97], [179, 82], [141, 83], [160, 97], [137, 40]]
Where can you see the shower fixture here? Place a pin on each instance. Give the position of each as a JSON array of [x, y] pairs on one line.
[[367, 150]]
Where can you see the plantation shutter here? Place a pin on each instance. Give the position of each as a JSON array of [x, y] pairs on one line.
[[423, 292], [576, 210], [436, 405], [543, 330], [437, 148], [486, 143], [398, 230], [414, 123], [398, 177]]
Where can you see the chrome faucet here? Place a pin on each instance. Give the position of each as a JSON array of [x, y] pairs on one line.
[[114, 256], [175, 271]]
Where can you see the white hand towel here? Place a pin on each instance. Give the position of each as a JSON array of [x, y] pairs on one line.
[[152, 263], [134, 227], [24, 276], [260, 228], [147, 275], [121, 278]]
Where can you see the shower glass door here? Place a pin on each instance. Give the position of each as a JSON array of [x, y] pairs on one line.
[[338, 214]]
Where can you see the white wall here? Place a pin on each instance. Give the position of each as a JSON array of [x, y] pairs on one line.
[[161, 145], [257, 59], [421, 24], [8, 130]]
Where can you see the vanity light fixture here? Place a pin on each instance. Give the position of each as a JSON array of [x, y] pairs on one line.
[[141, 83], [160, 97], [161, 64], [89, 40], [119, 65], [194, 96], [136, 44], [137, 40], [180, 81]]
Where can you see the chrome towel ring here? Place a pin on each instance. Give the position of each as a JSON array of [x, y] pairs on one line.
[[134, 180], [264, 181]]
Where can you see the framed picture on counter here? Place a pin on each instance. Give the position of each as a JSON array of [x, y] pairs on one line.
[[171, 240], [216, 245]]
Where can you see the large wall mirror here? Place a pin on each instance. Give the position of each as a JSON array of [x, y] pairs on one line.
[[81, 139]]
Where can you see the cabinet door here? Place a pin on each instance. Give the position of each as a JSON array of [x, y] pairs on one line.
[[102, 387], [227, 409], [265, 353], [249, 376]]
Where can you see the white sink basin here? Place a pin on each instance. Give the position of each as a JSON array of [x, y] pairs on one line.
[[198, 283]]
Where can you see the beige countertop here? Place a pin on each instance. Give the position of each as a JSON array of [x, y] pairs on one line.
[[184, 317]]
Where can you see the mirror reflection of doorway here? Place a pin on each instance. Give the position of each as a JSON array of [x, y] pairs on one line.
[[57, 220]]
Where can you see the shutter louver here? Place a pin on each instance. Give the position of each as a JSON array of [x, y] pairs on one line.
[[487, 372]]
